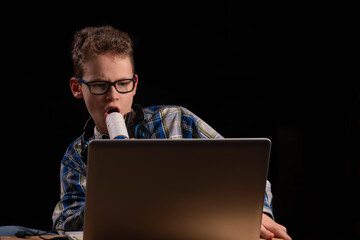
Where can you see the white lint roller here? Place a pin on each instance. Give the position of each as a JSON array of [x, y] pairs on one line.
[[116, 126]]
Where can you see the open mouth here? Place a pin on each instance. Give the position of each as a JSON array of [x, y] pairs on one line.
[[111, 109]]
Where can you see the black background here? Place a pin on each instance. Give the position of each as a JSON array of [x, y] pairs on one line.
[[282, 70]]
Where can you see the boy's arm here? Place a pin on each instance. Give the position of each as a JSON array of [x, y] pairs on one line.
[[267, 208], [69, 212]]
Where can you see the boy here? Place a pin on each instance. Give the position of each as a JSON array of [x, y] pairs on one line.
[[104, 76]]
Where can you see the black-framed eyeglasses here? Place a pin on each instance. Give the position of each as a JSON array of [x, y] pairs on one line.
[[102, 87]]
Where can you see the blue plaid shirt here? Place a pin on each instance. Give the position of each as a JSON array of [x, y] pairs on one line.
[[162, 122]]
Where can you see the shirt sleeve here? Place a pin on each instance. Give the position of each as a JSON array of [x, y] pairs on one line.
[[267, 208], [68, 214]]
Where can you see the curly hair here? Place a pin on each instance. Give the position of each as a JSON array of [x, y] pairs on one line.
[[91, 41]]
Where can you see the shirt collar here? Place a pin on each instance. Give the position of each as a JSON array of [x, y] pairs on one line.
[[98, 135]]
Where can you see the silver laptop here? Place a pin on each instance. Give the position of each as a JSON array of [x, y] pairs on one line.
[[188, 189]]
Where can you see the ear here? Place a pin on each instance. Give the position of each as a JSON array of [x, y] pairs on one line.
[[136, 84], [76, 88]]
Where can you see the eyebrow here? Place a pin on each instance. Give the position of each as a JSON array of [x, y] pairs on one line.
[[101, 80]]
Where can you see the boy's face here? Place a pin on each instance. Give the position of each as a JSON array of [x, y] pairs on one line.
[[110, 68]]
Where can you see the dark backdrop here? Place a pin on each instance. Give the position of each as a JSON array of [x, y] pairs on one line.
[[249, 69]]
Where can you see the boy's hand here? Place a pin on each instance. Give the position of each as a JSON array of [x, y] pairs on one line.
[[271, 229]]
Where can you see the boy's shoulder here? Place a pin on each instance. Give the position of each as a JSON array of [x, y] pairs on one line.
[[177, 121], [73, 156], [165, 110], [157, 108]]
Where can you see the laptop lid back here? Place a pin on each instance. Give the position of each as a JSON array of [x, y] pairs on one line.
[[188, 189]]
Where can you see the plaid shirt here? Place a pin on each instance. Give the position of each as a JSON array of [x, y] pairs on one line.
[[162, 122]]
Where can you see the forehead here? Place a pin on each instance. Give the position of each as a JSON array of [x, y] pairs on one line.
[[108, 66]]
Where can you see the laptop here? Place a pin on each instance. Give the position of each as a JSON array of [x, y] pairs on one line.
[[179, 189]]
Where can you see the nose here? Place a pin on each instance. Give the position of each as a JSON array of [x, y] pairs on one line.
[[112, 94]]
